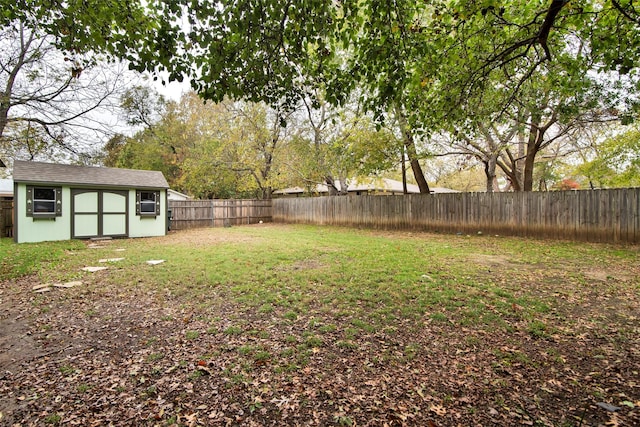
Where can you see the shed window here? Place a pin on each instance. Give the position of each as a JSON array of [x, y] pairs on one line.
[[147, 203], [44, 202]]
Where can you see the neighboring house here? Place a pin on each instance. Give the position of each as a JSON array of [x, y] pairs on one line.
[[377, 186], [176, 195], [441, 190], [60, 202]]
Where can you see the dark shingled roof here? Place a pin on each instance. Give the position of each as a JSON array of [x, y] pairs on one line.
[[50, 173]]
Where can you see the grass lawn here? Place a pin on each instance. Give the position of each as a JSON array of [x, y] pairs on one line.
[[303, 325]]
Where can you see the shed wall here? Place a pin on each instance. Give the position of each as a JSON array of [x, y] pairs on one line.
[[30, 229], [140, 226]]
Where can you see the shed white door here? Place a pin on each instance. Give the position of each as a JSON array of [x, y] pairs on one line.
[[99, 213]]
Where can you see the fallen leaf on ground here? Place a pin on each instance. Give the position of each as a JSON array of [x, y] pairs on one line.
[[438, 409], [608, 407]]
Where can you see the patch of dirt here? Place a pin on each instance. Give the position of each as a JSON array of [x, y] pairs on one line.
[[603, 275], [490, 260], [307, 264], [199, 237], [17, 345]]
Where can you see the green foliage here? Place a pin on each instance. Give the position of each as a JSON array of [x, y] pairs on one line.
[[142, 106], [189, 141], [278, 51], [120, 28], [262, 53], [617, 162], [239, 149], [362, 149], [113, 149]]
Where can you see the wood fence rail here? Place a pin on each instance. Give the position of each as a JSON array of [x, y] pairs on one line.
[[217, 213], [589, 215]]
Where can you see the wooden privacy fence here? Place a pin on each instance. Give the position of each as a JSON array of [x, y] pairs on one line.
[[218, 213], [591, 215], [6, 218]]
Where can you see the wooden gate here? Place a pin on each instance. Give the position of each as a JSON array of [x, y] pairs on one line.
[[6, 218]]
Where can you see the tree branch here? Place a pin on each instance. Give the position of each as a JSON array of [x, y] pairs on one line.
[[547, 25], [624, 13]]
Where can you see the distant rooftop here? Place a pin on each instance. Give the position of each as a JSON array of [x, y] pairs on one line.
[[370, 185]]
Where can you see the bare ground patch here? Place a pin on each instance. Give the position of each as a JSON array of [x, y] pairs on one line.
[[201, 237], [490, 260]]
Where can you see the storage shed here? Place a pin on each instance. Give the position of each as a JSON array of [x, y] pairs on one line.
[[61, 202]]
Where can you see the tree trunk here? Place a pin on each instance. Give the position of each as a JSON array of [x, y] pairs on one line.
[[4, 116], [410, 145], [508, 165], [419, 175], [519, 164], [267, 193], [404, 172], [331, 185], [490, 173], [529, 163], [534, 142]]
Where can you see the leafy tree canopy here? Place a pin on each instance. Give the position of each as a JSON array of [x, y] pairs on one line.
[[276, 50], [124, 29], [617, 163]]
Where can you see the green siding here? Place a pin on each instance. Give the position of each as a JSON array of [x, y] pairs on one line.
[[148, 225], [30, 229]]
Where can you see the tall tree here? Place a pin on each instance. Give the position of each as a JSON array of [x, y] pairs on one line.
[[226, 149], [259, 139], [49, 101], [437, 60], [342, 143]]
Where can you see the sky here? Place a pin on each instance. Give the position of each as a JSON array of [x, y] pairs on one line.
[[173, 90]]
